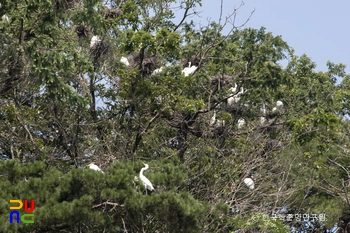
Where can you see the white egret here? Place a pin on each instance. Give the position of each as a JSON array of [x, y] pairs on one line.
[[5, 18], [125, 61], [241, 123], [249, 182], [263, 118], [94, 41], [213, 119], [237, 97], [231, 99], [189, 70], [156, 71], [279, 105], [220, 123], [148, 185], [94, 167], [234, 89]]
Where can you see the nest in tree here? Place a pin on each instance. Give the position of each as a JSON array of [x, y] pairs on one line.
[[99, 49], [221, 80], [82, 30], [65, 4], [146, 63], [194, 61], [28, 34], [177, 119], [112, 13]]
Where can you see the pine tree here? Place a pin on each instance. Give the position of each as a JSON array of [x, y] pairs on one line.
[[68, 98]]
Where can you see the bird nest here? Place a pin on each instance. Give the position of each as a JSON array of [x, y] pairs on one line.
[[99, 49], [146, 63], [82, 30], [65, 4], [28, 34], [112, 13], [221, 80], [194, 61]]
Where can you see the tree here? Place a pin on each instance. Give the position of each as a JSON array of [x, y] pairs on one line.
[[66, 102]]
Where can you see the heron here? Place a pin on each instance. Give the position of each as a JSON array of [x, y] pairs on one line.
[[235, 98], [156, 71], [189, 70], [241, 123], [279, 105], [263, 118], [94, 41], [148, 185], [249, 182], [219, 123], [213, 119], [94, 167], [125, 61], [5, 18], [231, 99]]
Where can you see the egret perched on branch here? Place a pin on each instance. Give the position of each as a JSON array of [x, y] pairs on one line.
[[125, 61], [94, 167], [189, 70], [5, 18], [213, 119], [279, 105], [249, 182], [94, 41], [237, 97], [263, 118], [156, 71], [219, 123], [241, 123], [148, 185], [230, 100]]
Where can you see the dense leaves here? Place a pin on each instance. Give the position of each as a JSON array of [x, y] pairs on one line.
[[65, 102]]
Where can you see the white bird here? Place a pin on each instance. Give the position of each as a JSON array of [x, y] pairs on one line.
[[234, 89], [94, 41], [156, 71], [279, 105], [249, 182], [263, 118], [94, 167], [5, 18], [241, 123], [148, 185], [237, 97], [189, 70], [213, 119], [231, 99], [125, 61], [220, 123]]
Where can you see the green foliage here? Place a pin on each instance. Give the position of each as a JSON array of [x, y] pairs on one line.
[[94, 199], [64, 104]]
